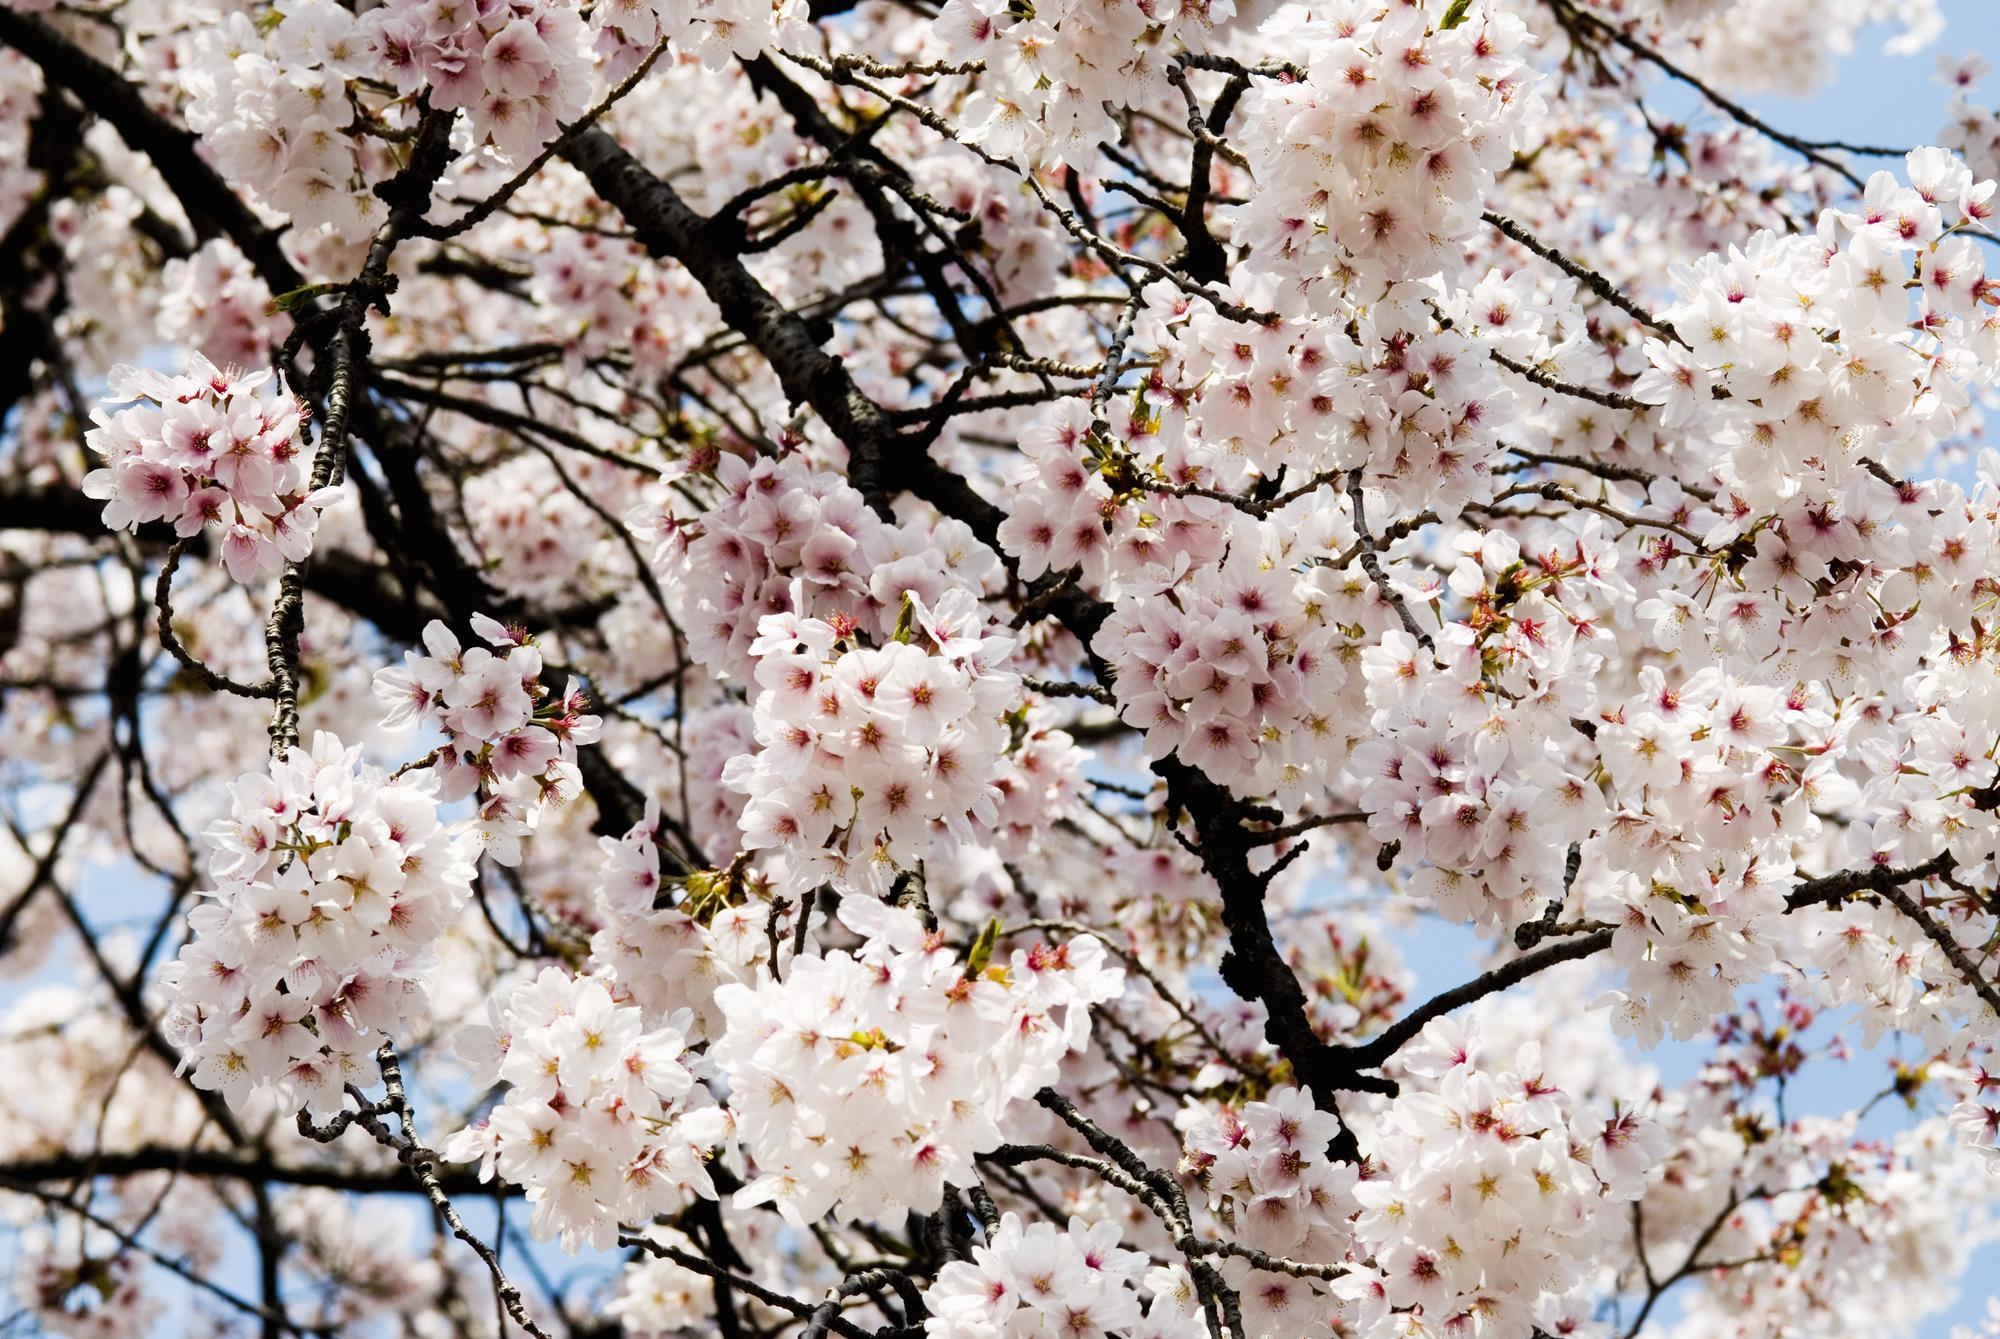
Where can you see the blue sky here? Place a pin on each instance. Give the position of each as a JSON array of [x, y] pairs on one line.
[[1882, 99]]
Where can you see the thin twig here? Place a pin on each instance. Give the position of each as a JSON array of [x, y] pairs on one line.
[[486, 208]]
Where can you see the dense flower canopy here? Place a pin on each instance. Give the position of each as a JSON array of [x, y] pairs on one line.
[[700, 667]]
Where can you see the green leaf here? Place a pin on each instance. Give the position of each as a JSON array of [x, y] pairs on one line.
[[298, 297], [906, 620], [981, 952], [1454, 15]]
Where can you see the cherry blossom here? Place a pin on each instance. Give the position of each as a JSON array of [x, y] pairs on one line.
[[1204, 670], [332, 882], [866, 1082], [600, 1122], [208, 450]]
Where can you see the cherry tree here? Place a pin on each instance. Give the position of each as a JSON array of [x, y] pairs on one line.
[[815, 668]]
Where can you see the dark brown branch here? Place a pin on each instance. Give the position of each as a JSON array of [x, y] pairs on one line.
[[519, 424], [245, 1166], [1285, 832], [423, 1164], [163, 605], [847, 1329], [487, 207], [1584, 275], [1953, 951], [1371, 563], [45, 867], [1205, 260], [1253, 966], [668, 228], [1605, 469], [1609, 399], [408, 195]]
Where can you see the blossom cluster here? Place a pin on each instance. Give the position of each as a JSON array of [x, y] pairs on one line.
[[333, 881], [784, 537], [603, 1121], [78, 1280], [108, 278], [871, 757], [208, 449], [1974, 130], [714, 31], [1979, 1125], [1038, 1281], [1816, 1226], [1495, 1187], [1237, 671], [864, 1082], [1229, 404], [716, 735], [17, 94], [1053, 71], [671, 958], [1779, 45], [272, 103], [518, 70], [512, 743], [1478, 497], [1797, 361], [1705, 756], [659, 1297], [214, 300], [1063, 498], [608, 296], [1371, 166], [1896, 976], [1265, 1173]]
